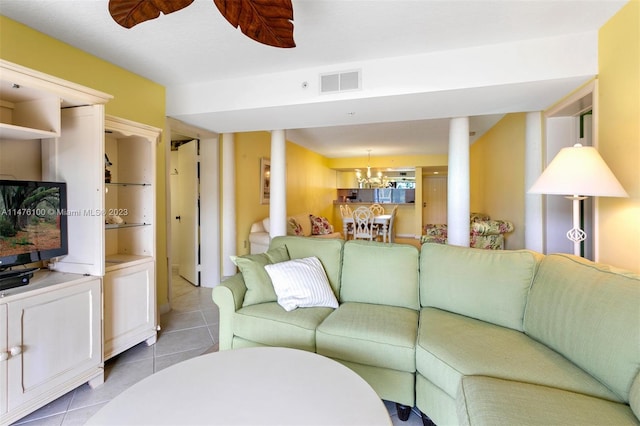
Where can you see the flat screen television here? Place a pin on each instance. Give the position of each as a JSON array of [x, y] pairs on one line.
[[33, 221]]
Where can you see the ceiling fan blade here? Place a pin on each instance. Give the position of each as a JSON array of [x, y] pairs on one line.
[[265, 21], [129, 13]]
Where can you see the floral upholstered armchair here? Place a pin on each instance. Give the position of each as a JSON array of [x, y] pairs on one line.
[[485, 233]]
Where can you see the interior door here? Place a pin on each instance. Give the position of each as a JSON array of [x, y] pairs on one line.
[[189, 212], [434, 196]]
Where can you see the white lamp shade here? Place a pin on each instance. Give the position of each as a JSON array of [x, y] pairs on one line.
[[579, 170]]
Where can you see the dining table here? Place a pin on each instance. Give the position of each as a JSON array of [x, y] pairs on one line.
[[382, 221]]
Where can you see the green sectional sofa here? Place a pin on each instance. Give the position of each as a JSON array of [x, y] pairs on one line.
[[469, 336]]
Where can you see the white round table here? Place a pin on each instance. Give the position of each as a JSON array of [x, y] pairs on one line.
[[252, 386]]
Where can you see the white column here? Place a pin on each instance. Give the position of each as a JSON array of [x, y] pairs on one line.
[[458, 183], [533, 205], [278, 198], [228, 210]]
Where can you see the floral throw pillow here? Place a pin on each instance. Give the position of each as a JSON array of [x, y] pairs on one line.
[[294, 227], [320, 225]]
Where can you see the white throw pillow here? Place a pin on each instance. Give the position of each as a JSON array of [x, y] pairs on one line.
[[301, 283]]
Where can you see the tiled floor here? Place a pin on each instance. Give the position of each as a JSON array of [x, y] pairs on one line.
[[190, 329]]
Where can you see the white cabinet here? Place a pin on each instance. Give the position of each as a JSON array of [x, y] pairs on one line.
[[99, 299], [51, 338], [4, 357], [50, 341], [130, 315]]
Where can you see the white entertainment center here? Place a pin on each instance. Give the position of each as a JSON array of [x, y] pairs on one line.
[[100, 299]]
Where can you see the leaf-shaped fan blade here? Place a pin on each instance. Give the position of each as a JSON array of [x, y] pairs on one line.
[[265, 21], [132, 12]]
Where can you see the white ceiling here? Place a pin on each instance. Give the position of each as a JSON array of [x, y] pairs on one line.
[[197, 46]]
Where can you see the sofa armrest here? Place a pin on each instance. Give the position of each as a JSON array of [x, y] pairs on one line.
[[491, 227], [257, 227], [228, 295], [436, 230]]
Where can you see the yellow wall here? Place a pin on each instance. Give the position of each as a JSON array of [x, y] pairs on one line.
[[496, 163], [249, 148], [135, 98], [619, 136], [310, 184]]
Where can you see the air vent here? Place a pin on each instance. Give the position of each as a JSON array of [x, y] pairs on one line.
[[340, 82]]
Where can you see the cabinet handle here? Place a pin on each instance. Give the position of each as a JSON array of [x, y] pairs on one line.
[[4, 356], [16, 350]]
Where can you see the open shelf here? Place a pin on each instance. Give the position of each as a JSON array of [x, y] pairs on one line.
[[120, 260], [124, 225], [11, 131], [127, 184]]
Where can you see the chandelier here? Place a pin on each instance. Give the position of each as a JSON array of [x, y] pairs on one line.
[[369, 181]]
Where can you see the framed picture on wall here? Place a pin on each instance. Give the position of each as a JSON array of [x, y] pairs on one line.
[[265, 180]]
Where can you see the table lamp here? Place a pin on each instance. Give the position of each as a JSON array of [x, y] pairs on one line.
[[577, 173]]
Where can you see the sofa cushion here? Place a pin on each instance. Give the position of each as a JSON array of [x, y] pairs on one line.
[[301, 283], [590, 313], [269, 324], [375, 335], [380, 273], [451, 346], [484, 284], [294, 227], [305, 223], [490, 401], [320, 225], [259, 285], [329, 251]]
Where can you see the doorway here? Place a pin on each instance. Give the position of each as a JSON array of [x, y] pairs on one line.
[[185, 203], [193, 241]]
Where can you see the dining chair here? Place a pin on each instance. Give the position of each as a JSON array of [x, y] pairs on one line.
[[377, 209], [345, 211], [363, 224], [387, 235]]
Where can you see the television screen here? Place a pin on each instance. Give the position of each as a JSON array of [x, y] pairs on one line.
[[33, 221]]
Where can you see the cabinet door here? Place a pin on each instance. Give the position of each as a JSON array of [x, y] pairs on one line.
[[56, 341], [129, 307], [4, 356], [77, 158]]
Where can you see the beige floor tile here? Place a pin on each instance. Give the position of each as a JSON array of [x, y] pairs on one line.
[[211, 316], [55, 420], [172, 342], [117, 379], [52, 409], [173, 321], [165, 361], [80, 416]]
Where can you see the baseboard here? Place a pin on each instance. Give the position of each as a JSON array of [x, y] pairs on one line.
[[410, 236], [164, 308]]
